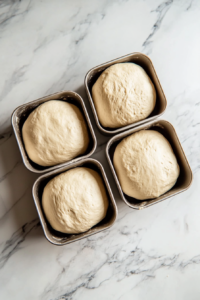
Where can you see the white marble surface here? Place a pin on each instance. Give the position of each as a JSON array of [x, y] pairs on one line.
[[48, 46]]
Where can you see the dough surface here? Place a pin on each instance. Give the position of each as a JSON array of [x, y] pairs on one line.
[[75, 200], [123, 94], [55, 132], [146, 165]]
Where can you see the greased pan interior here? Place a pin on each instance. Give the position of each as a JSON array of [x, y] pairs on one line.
[[21, 113], [185, 177], [146, 63], [58, 238]]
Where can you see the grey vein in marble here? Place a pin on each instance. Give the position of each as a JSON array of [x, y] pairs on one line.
[[13, 244]]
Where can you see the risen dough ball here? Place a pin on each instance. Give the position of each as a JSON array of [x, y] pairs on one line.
[[123, 94], [55, 132], [75, 201], [145, 165]]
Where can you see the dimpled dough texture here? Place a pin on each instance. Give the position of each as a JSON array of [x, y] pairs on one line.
[[145, 165], [55, 132], [123, 94], [75, 201]]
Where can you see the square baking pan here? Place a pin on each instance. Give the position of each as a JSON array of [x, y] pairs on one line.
[[21, 113], [167, 130], [146, 63], [58, 238]]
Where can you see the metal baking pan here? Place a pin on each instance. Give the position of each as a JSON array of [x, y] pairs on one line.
[[185, 177], [146, 63], [21, 113], [58, 238]]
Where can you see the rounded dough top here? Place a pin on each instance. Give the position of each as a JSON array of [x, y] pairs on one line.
[[55, 132], [75, 200], [146, 165], [123, 94]]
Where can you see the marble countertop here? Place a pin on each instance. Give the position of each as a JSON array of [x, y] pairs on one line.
[[48, 46]]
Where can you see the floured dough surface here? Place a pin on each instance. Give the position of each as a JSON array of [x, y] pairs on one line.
[[55, 132], [123, 94], [75, 200], [146, 165]]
